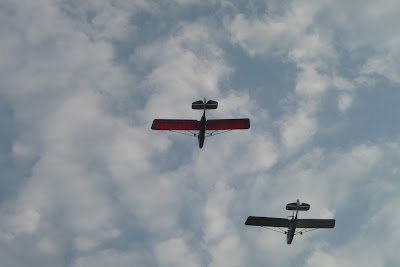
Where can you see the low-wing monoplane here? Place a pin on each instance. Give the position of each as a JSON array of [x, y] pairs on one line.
[[293, 223], [204, 128]]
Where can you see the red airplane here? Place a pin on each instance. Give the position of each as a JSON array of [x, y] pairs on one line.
[[202, 126]]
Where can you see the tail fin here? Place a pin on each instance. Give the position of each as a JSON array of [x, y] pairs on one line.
[[298, 206], [211, 104]]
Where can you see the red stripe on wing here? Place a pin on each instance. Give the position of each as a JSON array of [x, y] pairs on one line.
[[183, 125], [228, 124]]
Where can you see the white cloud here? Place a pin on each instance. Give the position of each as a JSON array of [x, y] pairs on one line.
[[188, 66], [220, 236], [311, 83], [313, 36], [115, 258], [174, 252], [344, 102], [55, 92], [295, 36], [102, 189], [385, 65], [273, 33], [366, 24], [25, 222], [298, 129], [104, 20]]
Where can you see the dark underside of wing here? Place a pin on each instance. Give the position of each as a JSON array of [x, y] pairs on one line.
[[315, 223], [228, 124], [267, 221], [177, 125]]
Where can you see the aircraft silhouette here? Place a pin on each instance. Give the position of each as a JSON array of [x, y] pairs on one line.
[[204, 127], [293, 223]]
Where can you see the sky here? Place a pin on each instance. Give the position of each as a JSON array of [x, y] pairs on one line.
[[84, 181]]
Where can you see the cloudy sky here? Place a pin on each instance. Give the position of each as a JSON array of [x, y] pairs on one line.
[[85, 182]]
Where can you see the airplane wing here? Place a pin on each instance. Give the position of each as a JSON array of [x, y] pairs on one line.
[[267, 221], [316, 223], [178, 125], [228, 124]]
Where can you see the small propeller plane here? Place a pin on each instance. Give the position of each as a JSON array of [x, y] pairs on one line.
[[293, 223], [204, 126]]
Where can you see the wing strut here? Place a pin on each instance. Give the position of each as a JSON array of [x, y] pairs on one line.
[[278, 230]]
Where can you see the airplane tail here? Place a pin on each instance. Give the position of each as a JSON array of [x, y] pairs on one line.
[[298, 206], [200, 104]]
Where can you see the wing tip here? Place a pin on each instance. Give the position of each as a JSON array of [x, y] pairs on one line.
[[247, 123], [154, 125]]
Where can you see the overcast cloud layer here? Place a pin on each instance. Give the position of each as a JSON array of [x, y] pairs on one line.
[[85, 182]]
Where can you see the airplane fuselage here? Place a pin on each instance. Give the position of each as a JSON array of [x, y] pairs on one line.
[[291, 230], [202, 133]]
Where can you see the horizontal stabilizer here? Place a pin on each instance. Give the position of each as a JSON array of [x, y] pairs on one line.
[[198, 104], [211, 104], [291, 206], [316, 223], [267, 221], [302, 207], [182, 125], [228, 124]]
